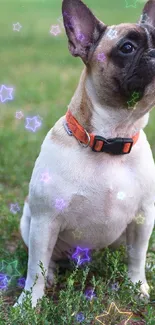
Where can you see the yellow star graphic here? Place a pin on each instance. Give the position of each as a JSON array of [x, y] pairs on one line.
[[114, 308], [139, 219], [77, 234]]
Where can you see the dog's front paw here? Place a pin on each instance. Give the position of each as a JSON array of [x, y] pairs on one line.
[[34, 296], [144, 288]]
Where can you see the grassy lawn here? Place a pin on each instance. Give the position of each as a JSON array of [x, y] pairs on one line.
[[44, 77]]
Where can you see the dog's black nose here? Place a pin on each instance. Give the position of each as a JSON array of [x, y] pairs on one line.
[[151, 53]]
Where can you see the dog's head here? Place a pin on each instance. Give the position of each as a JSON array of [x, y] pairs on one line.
[[120, 59]]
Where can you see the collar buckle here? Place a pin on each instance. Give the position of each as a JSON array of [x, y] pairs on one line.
[[114, 146]]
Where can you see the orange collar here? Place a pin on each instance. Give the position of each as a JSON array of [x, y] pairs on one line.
[[115, 146]]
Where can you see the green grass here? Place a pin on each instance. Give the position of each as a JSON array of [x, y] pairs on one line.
[[44, 76]]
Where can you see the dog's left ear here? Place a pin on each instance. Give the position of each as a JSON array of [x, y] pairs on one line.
[[82, 28], [148, 14]]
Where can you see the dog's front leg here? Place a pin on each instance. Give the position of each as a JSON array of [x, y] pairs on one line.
[[43, 235], [138, 235]]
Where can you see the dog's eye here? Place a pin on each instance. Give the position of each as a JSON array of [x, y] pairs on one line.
[[127, 48]]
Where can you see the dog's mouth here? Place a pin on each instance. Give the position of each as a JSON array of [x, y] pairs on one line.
[[151, 53]]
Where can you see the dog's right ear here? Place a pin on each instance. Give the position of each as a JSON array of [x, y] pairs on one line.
[[148, 14], [82, 28]]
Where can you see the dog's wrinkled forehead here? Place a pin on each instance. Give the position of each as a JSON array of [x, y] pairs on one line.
[[115, 36], [116, 33]]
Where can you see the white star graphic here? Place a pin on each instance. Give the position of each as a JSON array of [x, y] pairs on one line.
[[130, 250], [112, 33], [45, 177], [5, 93], [32, 124], [19, 115], [121, 195], [17, 27], [144, 18], [55, 30]]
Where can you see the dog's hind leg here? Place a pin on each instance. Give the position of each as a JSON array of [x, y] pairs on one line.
[[25, 223]]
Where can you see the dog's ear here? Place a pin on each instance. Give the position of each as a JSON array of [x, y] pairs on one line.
[[148, 14], [82, 28]]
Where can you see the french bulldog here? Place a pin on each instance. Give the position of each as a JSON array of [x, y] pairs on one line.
[[93, 184]]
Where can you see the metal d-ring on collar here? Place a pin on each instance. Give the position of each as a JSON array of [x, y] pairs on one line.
[[85, 145], [70, 133], [67, 128]]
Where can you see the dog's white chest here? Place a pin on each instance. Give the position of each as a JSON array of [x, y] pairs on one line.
[[100, 196], [101, 206]]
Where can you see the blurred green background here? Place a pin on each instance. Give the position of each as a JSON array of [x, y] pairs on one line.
[[44, 76]]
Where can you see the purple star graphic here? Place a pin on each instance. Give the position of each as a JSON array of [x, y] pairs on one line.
[[101, 57], [70, 20], [81, 255], [60, 204], [89, 294], [32, 124], [45, 177], [17, 27], [115, 286], [21, 282], [55, 30], [5, 93], [19, 115], [80, 317], [4, 280], [81, 37], [14, 208]]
